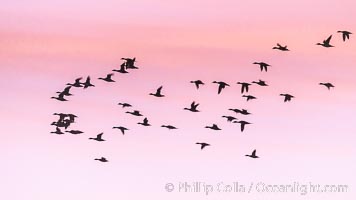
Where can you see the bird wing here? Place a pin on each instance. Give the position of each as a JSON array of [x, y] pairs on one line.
[[221, 86], [78, 79], [66, 90], [145, 121], [122, 66], [99, 135], [254, 153], [328, 40], [193, 105], [242, 127], [159, 90], [280, 46], [109, 76]]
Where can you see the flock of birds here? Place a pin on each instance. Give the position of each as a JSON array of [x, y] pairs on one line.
[[65, 120]]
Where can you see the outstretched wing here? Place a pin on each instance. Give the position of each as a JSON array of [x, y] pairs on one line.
[[109, 76], [254, 153], [328, 40], [159, 90]]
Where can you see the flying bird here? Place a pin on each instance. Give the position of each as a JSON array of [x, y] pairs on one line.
[[135, 113], [221, 84], [102, 159], [121, 128], [241, 111], [213, 127], [193, 107], [328, 85], [229, 118], [122, 69], [287, 97], [75, 132], [326, 43], [158, 92], [253, 155], [280, 47], [249, 97], [169, 127], [202, 145], [77, 83], [124, 105], [242, 123], [345, 35], [260, 83], [263, 66], [197, 83], [108, 78], [145, 122], [98, 138], [87, 83], [244, 86]]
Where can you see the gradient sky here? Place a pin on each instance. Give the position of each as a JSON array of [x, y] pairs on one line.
[[46, 44]]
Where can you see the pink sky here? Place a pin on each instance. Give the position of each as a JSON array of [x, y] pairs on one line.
[[46, 44]]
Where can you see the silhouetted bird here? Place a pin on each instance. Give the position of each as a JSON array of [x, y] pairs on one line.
[[202, 145], [121, 128], [326, 43], [122, 69], [124, 105], [66, 92], [263, 66], [60, 97], [249, 97], [145, 122], [287, 97], [242, 123], [170, 127], [87, 83], [98, 138], [58, 131], [102, 159], [135, 112], [214, 127], [328, 85], [345, 35], [130, 63], [229, 118], [241, 111], [197, 83], [253, 155], [260, 83], [77, 83], [280, 47], [158, 92], [221, 84], [244, 86], [75, 132], [107, 78], [193, 107]]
